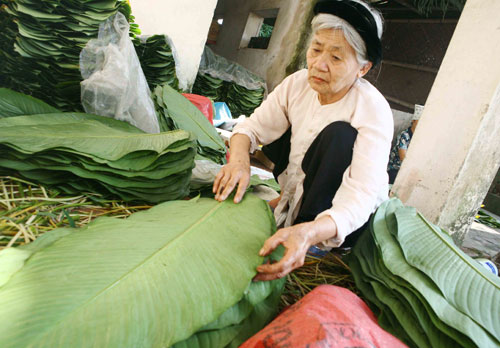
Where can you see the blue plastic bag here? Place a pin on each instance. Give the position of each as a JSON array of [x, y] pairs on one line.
[[222, 113]]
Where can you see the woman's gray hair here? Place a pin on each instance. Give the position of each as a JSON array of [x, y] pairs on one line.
[[328, 21]]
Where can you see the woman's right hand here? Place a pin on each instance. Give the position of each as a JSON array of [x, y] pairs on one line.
[[236, 172], [232, 174]]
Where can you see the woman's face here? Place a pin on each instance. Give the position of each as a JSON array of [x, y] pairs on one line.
[[332, 65]]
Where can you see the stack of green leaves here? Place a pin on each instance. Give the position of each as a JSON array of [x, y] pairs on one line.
[[241, 100], [48, 40], [226, 81], [209, 86], [179, 274], [78, 152], [157, 61], [175, 111], [7, 37], [425, 289]]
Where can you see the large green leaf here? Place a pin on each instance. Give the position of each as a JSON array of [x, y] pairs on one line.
[[241, 321], [151, 280], [17, 104], [176, 110], [458, 276]]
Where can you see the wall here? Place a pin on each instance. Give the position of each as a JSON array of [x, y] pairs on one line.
[[271, 63], [186, 22], [455, 151], [413, 50]]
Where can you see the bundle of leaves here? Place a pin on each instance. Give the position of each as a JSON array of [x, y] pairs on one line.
[[241, 100], [78, 152], [7, 37], [179, 274], [48, 40], [157, 61], [226, 81], [425, 290], [209, 86], [174, 111]]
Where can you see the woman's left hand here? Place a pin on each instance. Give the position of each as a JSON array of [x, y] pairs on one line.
[[297, 240]]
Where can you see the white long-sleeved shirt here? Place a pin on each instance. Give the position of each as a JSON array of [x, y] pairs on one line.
[[364, 183]]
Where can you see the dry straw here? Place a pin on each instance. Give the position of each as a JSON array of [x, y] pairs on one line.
[[27, 210]]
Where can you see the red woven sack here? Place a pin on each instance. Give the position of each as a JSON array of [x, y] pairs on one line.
[[327, 317], [204, 104]]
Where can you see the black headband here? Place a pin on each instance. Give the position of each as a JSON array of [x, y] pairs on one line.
[[360, 18]]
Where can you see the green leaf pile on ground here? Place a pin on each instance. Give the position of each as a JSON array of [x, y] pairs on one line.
[[42, 52], [240, 100], [229, 82], [209, 86], [8, 56], [179, 273], [243, 101], [78, 153], [425, 290], [157, 61]]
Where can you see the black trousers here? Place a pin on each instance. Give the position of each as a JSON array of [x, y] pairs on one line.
[[324, 165], [392, 175]]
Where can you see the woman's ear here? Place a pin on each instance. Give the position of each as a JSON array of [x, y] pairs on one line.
[[362, 72]]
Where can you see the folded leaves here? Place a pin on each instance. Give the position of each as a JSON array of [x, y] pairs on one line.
[[425, 289]]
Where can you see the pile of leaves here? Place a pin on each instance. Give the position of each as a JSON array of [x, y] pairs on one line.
[[191, 259], [157, 61], [47, 41], [209, 86], [78, 152], [229, 82], [243, 101], [7, 36], [425, 290], [240, 100], [174, 111]]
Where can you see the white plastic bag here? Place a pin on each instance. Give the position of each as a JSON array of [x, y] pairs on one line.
[[114, 84], [221, 68]]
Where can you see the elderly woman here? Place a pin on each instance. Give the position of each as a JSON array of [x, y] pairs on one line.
[[329, 134]]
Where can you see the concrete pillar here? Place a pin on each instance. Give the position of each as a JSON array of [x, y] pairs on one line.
[[186, 22], [455, 151]]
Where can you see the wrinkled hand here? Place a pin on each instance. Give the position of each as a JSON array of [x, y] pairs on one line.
[[230, 175], [296, 240]]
